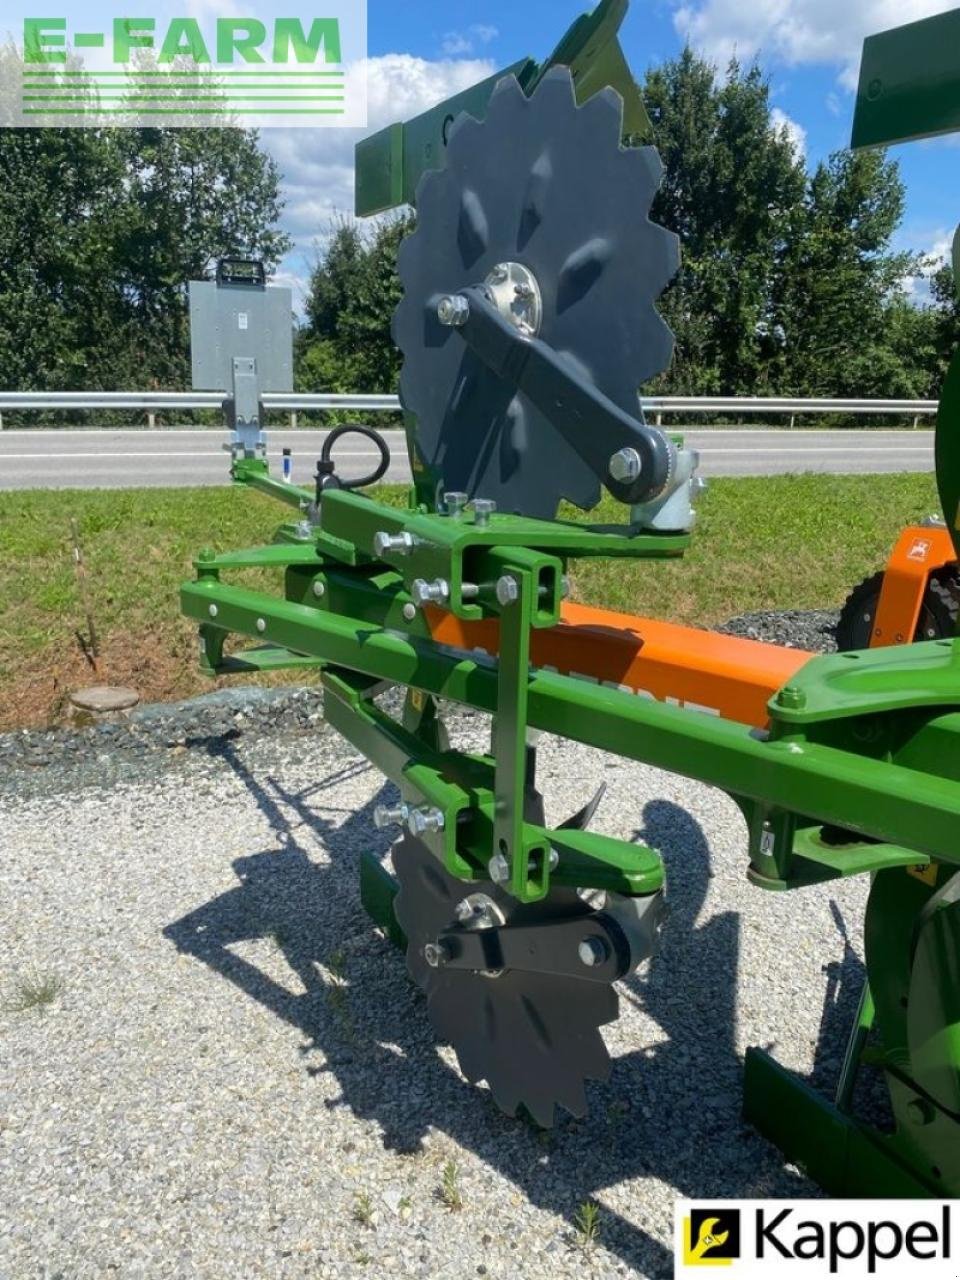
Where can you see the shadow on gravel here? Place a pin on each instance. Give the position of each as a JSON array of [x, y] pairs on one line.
[[671, 1109]]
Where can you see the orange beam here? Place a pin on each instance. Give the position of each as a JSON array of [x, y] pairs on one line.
[[700, 670]]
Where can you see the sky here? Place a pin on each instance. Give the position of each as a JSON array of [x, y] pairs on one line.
[[421, 51]]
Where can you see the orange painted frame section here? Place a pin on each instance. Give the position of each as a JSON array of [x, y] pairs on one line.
[[919, 552], [700, 670]]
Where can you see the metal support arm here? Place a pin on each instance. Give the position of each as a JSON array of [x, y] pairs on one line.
[[590, 422]]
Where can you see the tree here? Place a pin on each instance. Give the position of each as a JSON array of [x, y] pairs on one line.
[[100, 233], [849, 328], [346, 344], [731, 182]]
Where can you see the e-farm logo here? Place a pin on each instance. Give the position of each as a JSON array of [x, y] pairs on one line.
[[189, 65], [889, 1239]]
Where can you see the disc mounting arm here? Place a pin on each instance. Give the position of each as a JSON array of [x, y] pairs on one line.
[[601, 433], [590, 948]]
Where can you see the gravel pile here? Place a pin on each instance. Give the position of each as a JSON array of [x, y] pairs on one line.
[[813, 629], [233, 1075]]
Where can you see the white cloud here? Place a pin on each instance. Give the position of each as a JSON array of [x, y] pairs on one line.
[[796, 31], [316, 165], [457, 43], [796, 133]]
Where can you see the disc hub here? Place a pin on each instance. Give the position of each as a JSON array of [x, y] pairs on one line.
[[514, 291]]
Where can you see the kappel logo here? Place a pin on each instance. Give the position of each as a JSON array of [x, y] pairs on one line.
[[711, 1237], [266, 65], [847, 1239]]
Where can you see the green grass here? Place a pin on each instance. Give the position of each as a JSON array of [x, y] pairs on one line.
[[36, 991], [765, 543], [449, 1192]]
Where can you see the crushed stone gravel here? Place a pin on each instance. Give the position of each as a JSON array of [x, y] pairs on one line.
[[235, 1076]]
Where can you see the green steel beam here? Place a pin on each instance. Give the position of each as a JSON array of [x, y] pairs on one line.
[[390, 164], [909, 83], [875, 798]]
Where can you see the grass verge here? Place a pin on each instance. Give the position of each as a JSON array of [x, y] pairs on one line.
[[764, 543]]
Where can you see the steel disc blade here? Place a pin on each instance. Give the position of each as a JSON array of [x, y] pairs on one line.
[[544, 183], [533, 1037]]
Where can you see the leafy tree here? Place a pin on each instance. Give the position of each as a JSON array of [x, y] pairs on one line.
[[839, 294], [731, 182], [100, 234], [346, 344]]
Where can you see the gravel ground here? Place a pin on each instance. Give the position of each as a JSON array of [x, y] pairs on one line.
[[234, 1076]]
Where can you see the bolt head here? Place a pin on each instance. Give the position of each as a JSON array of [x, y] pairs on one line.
[[319, 589], [498, 868], [483, 509], [409, 611], [508, 590], [261, 624], [792, 698], [434, 954], [592, 951], [384, 816], [453, 311], [626, 465], [453, 503], [213, 611]]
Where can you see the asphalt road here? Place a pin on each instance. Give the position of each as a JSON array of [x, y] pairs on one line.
[[88, 458]]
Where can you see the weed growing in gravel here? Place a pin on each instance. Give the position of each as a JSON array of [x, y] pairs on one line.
[[587, 1222], [449, 1189], [363, 1209], [37, 991], [337, 994]]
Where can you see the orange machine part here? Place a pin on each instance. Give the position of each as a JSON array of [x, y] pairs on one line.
[[918, 553], [700, 670]]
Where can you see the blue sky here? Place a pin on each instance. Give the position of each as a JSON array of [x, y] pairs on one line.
[[421, 50]]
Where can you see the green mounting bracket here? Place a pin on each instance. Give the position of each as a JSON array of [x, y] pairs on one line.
[[909, 83], [391, 163]]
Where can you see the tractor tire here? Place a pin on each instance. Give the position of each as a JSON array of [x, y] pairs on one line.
[[938, 612]]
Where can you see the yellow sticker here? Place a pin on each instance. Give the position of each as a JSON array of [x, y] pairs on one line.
[[927, 874]]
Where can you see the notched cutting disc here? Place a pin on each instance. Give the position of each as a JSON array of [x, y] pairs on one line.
[[535, 1038], [546, 184]]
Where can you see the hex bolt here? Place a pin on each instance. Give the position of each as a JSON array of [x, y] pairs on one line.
[[469, 590], [435, 954], [399, 543], [592, 951], [498, 868], [523, 291], [420, 821], [454, 503], [483, 509], [423, 592], [508, 590], [213, 611], [261, 624], [626, 465], [319, 589], [792, 698], [409, 611], [553, 859], [453, 310], [384, 816]]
